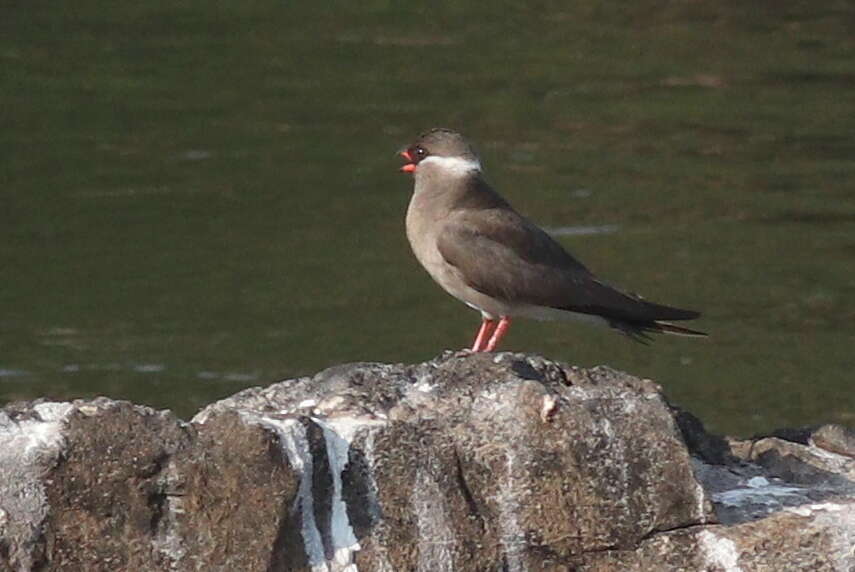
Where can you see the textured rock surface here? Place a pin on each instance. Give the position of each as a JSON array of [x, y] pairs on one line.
[[467, 462], [473, 462]]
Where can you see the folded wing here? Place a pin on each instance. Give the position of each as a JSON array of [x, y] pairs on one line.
[[501, 254]]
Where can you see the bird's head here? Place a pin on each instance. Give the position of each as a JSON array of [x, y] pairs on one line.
[[441, 149]]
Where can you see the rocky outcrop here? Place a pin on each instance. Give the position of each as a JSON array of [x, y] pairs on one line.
[[466, 462]]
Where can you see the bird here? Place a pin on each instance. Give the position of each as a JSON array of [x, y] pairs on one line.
[[483, 252]]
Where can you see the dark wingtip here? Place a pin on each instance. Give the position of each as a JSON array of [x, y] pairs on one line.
[[670, 313], [640, 331]]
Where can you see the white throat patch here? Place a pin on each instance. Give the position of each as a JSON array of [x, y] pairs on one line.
[[456, 166]]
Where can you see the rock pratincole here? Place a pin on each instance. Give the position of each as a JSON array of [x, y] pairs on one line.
[[487, 255]]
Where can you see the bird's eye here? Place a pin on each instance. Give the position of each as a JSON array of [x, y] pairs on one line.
[[420, 151]]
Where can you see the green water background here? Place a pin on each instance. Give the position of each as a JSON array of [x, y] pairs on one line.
[[202, 196]]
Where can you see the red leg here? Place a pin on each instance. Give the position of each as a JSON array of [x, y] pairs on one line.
[[483, 334], [498, 334]]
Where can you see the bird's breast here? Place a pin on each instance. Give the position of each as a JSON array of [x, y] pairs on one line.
[[423, 225], [423, 228]]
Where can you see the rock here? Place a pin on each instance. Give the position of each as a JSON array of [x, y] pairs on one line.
[[466, 462], [477, 461], [233, 492], [812, 537], [81, 485], [835, 438]]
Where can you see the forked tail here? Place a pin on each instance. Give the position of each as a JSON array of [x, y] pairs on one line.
[[669, 328]]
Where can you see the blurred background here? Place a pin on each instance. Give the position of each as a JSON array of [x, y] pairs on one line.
[[202, 196]]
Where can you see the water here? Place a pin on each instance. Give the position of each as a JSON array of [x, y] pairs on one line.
[[197, 198]]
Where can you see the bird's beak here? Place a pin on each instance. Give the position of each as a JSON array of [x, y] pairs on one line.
[[409, 167]]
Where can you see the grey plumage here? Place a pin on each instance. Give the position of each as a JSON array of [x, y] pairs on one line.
[[485, 253]]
